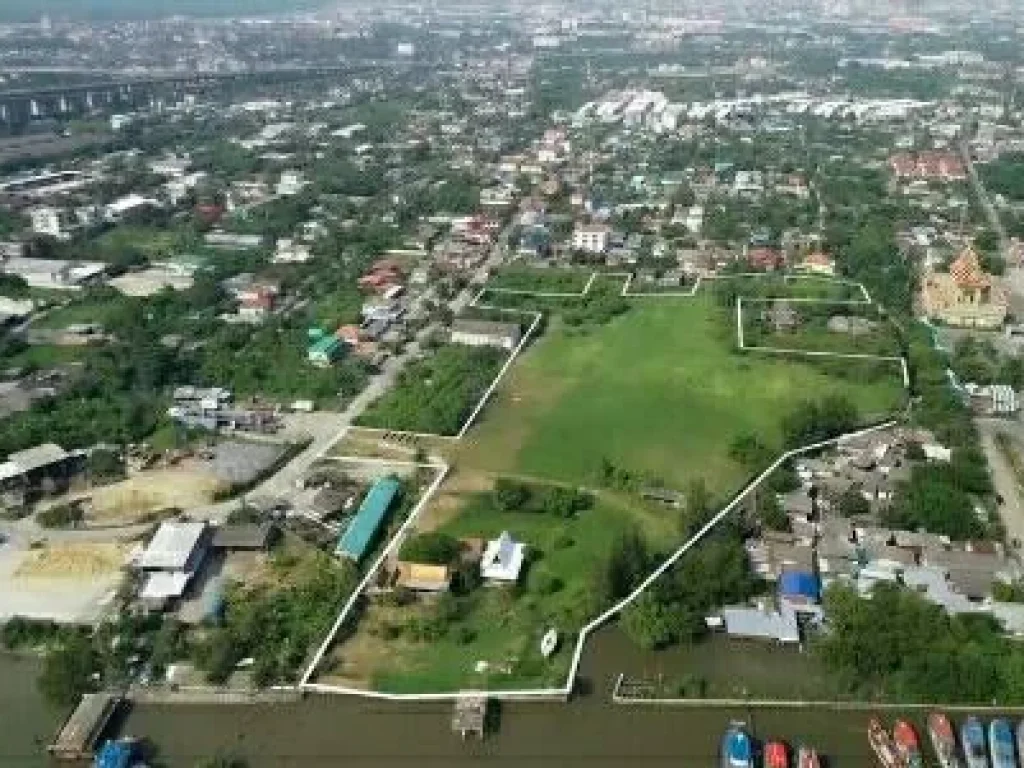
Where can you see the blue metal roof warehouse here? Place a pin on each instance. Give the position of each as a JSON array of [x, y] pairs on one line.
[[364, 526]]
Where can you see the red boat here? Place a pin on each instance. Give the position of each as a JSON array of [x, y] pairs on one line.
[[807, 758], [883, 745], [776, 755], [908, 746], [944, 740]]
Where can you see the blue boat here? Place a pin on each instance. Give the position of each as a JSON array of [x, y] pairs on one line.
[[737, 747], [115, 754], [1000, 742], [972, 736]]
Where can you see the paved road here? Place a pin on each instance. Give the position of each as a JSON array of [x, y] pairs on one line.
[[331, 428], [1003, 477], [1014, 277]]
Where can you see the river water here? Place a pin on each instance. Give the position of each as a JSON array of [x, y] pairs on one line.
[[590, 731]]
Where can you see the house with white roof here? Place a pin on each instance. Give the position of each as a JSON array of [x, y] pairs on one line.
[[502, 560], [171, 559]]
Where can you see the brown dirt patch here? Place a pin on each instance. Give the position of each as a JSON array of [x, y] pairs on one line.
[[354, 662], [73, 561], [138, 497]]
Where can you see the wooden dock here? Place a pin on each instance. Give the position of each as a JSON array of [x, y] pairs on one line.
[[77, 737], [470, 718]]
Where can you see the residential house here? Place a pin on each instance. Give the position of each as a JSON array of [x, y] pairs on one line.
[[325, 350], [591, 238], [421, 577], [502, 560], [485, 333]]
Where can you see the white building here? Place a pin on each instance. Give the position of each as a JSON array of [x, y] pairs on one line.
[[694, 220], [290, 183], [287, 251], [170, 561], [47, 221], [591, 238], [485, 333], [503, 559]]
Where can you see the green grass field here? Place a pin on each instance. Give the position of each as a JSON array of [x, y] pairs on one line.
[[506, 625], [659, 390]]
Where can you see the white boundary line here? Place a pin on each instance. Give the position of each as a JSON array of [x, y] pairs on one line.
[[396, 540], [627, 277], [596, 623], [566, 689]]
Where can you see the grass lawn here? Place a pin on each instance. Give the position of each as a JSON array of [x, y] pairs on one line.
[[659, 390], [81, 309], [501, 626], [45, 356], [783, 285], [152, 242]]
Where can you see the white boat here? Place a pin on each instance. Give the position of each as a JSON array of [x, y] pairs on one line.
[[549, 642]]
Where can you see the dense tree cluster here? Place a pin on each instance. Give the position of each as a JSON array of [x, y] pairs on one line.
[[978, 361], [1005, 176], [276, 626], [714, 574], [515, 496], [813, 421], [899, 646]]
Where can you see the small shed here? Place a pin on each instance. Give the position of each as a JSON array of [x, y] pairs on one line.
[[254, 537]]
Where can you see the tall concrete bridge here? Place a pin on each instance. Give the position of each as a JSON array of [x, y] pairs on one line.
[[22, 105]]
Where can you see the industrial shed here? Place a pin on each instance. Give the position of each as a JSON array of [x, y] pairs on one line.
[[361, 532]]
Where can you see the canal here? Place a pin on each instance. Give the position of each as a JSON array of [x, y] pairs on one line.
[[329, 731]]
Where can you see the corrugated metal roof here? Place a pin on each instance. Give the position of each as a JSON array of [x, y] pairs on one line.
[[172, 546], [758, 623], [364, 526]]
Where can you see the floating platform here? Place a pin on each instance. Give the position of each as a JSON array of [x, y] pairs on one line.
[[77, 737], [470, 718]]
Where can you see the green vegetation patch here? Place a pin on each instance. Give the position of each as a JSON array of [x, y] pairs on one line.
[[836, 328], [540, 279], [437, 394], [437, 647], [659, 391]]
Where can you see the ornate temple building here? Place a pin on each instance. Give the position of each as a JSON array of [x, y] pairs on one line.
[[966, 296]]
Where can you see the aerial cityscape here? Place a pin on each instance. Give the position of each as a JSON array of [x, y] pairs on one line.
[[541, 384]]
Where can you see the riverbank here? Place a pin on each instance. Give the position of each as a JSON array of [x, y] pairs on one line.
[[329, 731]]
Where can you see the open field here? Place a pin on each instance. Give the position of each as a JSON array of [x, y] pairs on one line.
[[660, 391], [498, 626], [61, 582], [855, 330], [138, 497]]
